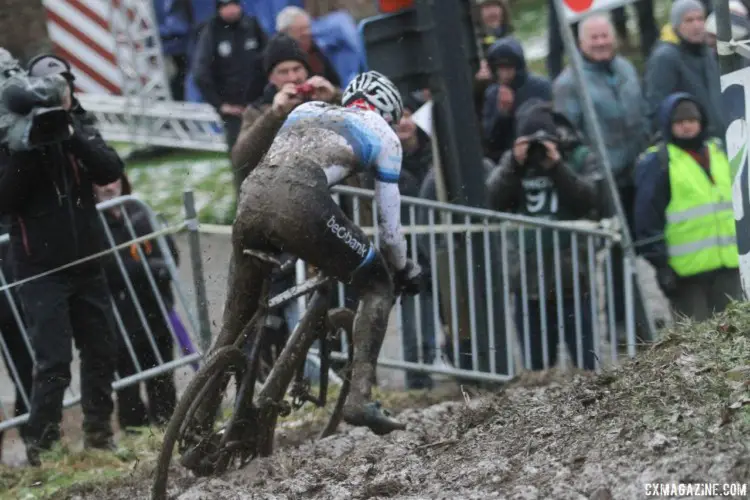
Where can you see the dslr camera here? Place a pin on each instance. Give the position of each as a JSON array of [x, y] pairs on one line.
[[305, 91], [537, 151]]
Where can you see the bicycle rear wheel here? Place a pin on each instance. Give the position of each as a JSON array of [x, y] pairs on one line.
[[197, 438], [341, 321]]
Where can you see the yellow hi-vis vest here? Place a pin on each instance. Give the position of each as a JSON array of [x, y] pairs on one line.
[[700, 230]]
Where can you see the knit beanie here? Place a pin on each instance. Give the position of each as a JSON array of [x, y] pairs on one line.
[[682, 7], [533, 116], [283, 48], [222, 3], [686, 110]]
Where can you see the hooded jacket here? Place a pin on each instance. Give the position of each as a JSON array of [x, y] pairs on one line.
[[652, 184], [567, 191], [616, 93], [499, 126], [683, 67]]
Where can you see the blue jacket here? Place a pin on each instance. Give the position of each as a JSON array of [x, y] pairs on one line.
[[652, 188], [499, 126], [620, 109]]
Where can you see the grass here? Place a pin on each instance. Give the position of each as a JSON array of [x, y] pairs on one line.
[[697, 378], [161, 185], [63, 468]]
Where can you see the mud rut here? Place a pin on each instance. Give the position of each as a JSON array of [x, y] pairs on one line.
[[555, 436]]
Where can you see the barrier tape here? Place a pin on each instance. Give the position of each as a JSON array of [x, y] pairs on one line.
[[162, 232]]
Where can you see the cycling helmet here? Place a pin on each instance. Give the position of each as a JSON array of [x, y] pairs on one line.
[[378, 91]]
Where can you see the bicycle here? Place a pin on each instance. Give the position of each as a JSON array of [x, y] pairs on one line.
[[249, 432]]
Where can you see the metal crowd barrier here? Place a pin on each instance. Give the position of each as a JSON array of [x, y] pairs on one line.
[[499, 284], [158, 236]]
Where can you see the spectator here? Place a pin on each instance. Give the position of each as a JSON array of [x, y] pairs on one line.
[[161, 391], [228, 64], [296, 23], [683, 207], [550, 174], [687, 66], [48, 194], [284, 64], [13, 337], [494, 17], [495, 24], [615, 90], [514, 85]]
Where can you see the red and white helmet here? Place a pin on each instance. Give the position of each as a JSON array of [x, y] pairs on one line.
[[379, 92]]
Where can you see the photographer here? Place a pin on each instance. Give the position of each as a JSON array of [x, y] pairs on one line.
[[48, 193], [549, 173], [287, 66]]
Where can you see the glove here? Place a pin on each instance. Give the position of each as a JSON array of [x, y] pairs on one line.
[[667, 279], [408, 279]]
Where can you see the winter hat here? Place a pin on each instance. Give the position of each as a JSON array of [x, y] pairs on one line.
[[686, 110], [533, 116], [50, 64], [682, 7], [283, 48], [222, 3], [506, 52]]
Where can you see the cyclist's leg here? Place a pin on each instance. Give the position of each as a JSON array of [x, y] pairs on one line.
[[245, 283], [313, 227]]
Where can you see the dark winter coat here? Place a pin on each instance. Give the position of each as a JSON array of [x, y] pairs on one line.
[[228, 63], [499, 126], [48, 194]]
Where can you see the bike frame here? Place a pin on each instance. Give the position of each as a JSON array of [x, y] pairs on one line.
[[264, 410]]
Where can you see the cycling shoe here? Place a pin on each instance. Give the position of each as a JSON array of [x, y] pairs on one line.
[[372, 415]]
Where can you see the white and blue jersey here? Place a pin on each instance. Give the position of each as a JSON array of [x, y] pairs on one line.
[[342, 141]]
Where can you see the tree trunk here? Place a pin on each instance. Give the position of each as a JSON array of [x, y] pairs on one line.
[[23, 28]]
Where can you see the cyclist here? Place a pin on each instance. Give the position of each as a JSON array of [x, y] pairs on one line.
[[285, 206]]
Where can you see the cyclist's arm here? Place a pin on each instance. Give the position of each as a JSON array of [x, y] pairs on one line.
[[387, 172]]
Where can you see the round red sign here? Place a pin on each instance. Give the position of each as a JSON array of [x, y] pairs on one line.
[[579, 6]]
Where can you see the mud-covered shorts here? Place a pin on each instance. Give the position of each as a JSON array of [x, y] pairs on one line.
[[290, 209]]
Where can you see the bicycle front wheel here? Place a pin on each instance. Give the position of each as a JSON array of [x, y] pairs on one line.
[[197, 438]]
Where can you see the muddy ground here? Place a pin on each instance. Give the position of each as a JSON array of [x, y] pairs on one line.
[[679, 413]]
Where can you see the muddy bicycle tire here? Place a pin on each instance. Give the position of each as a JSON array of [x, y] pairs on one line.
[[341, 318], [219, 362]]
